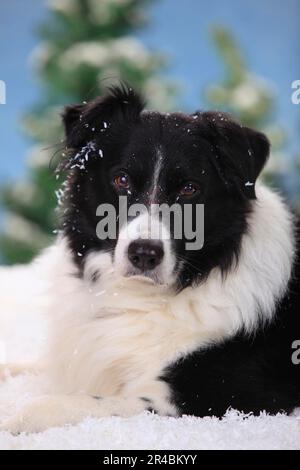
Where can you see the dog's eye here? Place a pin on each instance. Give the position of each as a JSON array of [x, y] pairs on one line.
[[122, 181], [189, 189]]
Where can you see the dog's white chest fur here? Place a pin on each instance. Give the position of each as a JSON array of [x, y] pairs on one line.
[[120, 349]]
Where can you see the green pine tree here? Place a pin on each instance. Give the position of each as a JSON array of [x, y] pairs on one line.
[[251, 99], [86, 46]]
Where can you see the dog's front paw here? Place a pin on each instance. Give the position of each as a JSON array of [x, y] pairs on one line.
[[12, 370], [9, 370], [39, 415], [17, 424], [58, 410], [22, 423]]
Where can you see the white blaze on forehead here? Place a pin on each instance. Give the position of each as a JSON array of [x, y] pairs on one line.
[[157, 170], [146, 226]]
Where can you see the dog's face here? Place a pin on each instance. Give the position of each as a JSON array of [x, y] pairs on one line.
[[207, 160]]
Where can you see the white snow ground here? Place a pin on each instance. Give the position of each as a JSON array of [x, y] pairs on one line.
[[22, 334]]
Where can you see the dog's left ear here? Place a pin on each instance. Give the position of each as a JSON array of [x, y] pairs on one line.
[[259, 148], [71, 116], [120, 104], [240, 153]]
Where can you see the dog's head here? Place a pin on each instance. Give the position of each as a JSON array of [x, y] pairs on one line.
[[202, 161]]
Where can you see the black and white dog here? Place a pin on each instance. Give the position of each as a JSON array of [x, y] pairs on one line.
[[142, 322]]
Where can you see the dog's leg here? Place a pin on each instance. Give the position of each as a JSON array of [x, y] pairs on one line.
[[11, 370], [59, 410]]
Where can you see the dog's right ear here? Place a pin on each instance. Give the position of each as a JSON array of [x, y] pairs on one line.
[[71, 116], [81, 122]]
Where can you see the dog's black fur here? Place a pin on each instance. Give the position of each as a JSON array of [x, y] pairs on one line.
[[250, 373]]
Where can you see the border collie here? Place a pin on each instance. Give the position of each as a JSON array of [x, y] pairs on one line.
[[143, 323]]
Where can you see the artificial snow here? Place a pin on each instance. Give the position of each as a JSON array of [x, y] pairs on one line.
[[23, 331]]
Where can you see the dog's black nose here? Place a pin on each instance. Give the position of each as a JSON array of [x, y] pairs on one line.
[[145, 254]]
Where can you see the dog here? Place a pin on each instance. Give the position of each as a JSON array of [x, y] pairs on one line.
[[141, 322]]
